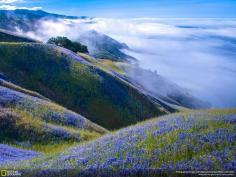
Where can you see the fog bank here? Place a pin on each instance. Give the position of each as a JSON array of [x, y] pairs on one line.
[[197, 54]]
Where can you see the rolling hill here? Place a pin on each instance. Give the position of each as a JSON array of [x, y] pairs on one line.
[[192, 140], [177, 141], [35, 123], [29, 21], [73, 82]]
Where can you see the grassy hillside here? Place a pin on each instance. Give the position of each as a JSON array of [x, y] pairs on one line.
[[6, 36], [71, 81], [38, 124], [12, 86], [198, 140], [103, 46], [8, 154], [28, 21], [166, 92], [193, 140]]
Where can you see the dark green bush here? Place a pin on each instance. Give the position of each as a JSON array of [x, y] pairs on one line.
[[68, 44]]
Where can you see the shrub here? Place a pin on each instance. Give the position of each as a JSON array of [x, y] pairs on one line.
[[68, 44]]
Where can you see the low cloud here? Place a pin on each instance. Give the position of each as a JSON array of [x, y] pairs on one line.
[[9, 1], [57, 27], [197, 54], [11, 7]]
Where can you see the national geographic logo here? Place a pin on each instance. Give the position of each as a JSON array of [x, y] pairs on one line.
[[10, 173], [3, 172]]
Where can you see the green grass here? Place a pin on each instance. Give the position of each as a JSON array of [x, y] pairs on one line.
[[74, 85], [112, 65], [47, 149], [22, 130], [88, 58], [177, 149], [20, 89], [47, 111], [185, 151], [104, 64]]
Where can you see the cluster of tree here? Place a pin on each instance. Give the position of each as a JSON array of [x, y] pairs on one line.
[[68, 44]]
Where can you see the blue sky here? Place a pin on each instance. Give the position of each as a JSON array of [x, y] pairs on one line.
[[131, 8]]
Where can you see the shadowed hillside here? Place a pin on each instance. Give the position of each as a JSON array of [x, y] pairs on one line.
[[6, 36], [151, 83], [29, 21], [103, 46], [14, 87], [69, 80], [34, 123], [45, 110]]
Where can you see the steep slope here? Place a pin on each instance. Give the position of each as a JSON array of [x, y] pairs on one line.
[[161, 88], [28, 21], [24, 129], [158, 87], [6, 36], [35, 123], [194, 140], [14, 87], [45, 110], [73, 82], [102, 46]]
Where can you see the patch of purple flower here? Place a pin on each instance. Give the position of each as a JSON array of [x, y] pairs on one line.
[[196, 140], [10, 155], [125, 149], [45, 110]]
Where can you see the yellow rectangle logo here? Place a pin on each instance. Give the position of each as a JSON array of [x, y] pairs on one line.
[[3, 172]]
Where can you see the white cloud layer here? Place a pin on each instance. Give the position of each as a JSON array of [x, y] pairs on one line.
[[11, 7], [9, 1], [198, 54]]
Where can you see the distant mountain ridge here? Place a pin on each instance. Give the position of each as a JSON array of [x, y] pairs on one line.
[[100, 45], [7, 36], [104, 47], [26, 19]]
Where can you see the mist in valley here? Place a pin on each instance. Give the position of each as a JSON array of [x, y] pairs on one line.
[[196, 54]]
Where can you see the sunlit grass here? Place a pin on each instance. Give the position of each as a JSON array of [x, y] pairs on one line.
[[111, 65], [25, 131], [184, 150]]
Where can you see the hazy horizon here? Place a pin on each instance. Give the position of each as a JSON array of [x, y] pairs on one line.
[[130, 9], [196, 54]]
